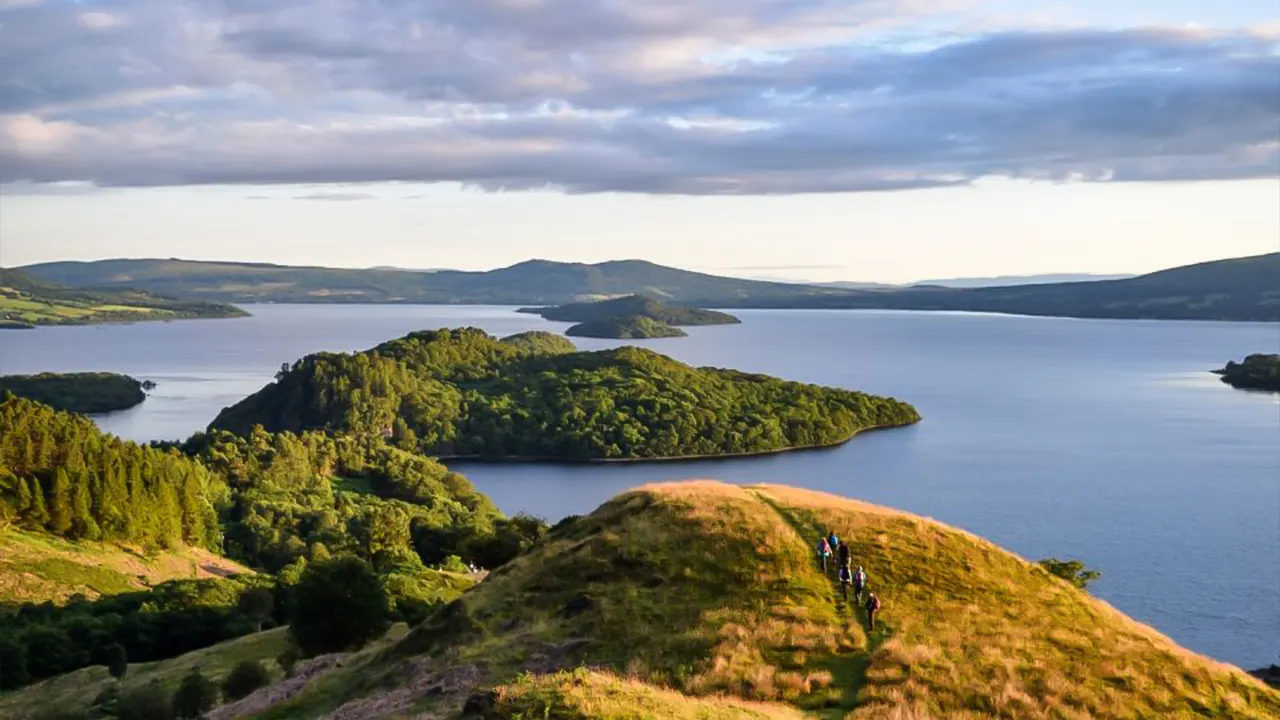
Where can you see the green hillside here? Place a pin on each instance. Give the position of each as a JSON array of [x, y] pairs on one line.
[[462, 393], [625, 327], [38, 567], [687, 599], [27, 302], [630, 306]]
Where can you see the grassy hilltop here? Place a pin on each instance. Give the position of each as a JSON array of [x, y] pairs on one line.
[[702, 600]]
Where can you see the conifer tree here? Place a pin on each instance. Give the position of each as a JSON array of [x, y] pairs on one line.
[[60, 503]]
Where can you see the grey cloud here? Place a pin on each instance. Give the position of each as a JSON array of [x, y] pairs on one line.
[[601, 97], [336, 196]]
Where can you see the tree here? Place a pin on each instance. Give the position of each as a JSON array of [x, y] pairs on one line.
[[338, 605], [60, 503], [117, 660], [13, 663], [1073, 571], [245, 677], [196, 695], [149, 702], [256, 604]]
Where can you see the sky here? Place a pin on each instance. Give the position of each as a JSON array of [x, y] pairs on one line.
[[867, 140]]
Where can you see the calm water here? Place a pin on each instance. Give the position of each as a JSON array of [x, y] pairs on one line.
[[1100, 440]]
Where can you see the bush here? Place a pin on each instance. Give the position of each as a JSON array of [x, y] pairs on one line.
[[288, 659], [339, 605], [117, 660], [245, 677], [454, 564], [196, 695], [1073, 571], [149, 702]]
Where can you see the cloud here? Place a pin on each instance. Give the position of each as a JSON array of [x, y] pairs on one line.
[[336, 196], [657, 96]]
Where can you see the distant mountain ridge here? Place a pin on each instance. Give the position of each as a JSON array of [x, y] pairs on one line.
[[1246, 289]]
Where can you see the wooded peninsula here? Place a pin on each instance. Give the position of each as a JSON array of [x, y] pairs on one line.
[[463, 393]]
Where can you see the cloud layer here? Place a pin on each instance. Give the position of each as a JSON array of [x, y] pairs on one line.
[[653, 96]]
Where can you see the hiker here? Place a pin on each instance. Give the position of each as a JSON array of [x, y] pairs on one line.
[[859, 582], [843, 554], [846, 579], [873, 604], [833, 540], [824, 552]]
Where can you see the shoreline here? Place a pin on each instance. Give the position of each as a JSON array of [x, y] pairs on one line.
[[672, 459]]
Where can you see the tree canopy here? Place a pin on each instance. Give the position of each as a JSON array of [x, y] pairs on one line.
[[625, 327], [463, 393]]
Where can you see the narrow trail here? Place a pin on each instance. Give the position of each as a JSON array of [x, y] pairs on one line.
[[852, 666]]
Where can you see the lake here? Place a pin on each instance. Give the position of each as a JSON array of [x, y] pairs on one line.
[[1104, 441]]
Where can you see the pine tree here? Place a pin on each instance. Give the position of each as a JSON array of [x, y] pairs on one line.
[[60, 503], [83, 526], [38, 515], [23, 494]]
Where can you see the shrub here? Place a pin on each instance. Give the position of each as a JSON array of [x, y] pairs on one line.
[[245, 677], [1073, 571], [196, 695], [339, 605], [117, 660], [149, 702]]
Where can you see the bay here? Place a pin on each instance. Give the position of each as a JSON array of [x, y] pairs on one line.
[[1105, 441]]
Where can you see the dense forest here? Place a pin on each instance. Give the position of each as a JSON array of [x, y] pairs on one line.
[[626, 327], [632, 306], [276, 502], [1257, 372], [60, 474], [95, 392], [463, 393]]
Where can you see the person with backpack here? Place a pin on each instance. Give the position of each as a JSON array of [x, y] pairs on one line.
[[846, 579], [824, 552], [843, 553], [873, 605], [859, 582], [833, 540]]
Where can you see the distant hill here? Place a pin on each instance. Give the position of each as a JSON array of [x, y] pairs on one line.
[[703, 600], [527, 283], [633, 305], [1235, 289], [26, 302], [1007, 280]]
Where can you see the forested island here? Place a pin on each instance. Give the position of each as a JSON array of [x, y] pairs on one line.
[[632, 306], [1257, 372], [91, 392], [625, 327], [26, 303], [464, 394]]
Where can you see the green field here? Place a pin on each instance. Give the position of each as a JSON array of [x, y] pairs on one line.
[[25, 302]]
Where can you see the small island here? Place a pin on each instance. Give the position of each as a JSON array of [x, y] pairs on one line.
[[633, 316], [463, 394], [1257, 372], [91, 392], [625, 327]]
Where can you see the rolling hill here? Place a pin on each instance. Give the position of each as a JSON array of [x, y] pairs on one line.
[[1235, 289], [26, 302], [527, 283], [703, 600]]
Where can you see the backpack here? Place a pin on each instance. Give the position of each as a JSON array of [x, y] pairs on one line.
[[823, 548], [873, 603], [861, 577]]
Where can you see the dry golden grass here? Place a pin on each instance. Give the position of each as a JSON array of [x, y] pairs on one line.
[[583, 695], [689, 593]]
